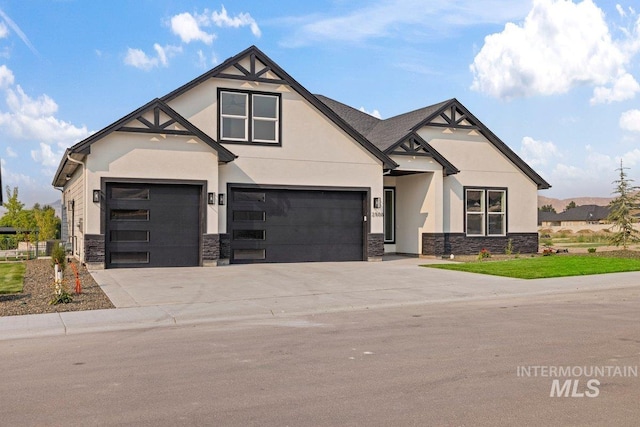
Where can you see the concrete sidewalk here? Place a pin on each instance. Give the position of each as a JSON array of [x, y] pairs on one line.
[[159, 297]]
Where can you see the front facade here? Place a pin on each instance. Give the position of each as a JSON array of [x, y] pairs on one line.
[[244, 165]]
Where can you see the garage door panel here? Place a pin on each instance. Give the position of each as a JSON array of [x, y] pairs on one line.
[[161, 228], [296, 225]]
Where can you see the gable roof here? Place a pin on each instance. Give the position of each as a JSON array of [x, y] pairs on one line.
[[388, 134], [166, 127], [263, 69]]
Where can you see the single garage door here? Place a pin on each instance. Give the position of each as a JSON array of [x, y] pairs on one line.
[[269, 225], [152, 225]]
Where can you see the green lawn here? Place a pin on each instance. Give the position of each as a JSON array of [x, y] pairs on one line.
[[546, 266], [11, 277]]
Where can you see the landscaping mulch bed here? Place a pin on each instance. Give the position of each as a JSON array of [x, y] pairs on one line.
[[38, 291]]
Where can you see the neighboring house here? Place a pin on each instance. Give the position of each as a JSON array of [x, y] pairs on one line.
[[575, 217], [243, 164]]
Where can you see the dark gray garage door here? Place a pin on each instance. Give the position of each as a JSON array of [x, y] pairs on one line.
[[268, 225], [152, 225]]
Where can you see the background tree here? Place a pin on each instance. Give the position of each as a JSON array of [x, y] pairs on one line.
[[42, 218], [547, 208], [571, 205], [621, 211], [47, 222]]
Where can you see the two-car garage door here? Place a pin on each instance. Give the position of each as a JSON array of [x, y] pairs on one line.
[[160, 225], [295, 225]]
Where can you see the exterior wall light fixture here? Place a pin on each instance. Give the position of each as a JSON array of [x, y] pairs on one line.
[[211, 198], [96, 196]]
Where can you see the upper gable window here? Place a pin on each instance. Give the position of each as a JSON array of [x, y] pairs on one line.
[[249, 117]]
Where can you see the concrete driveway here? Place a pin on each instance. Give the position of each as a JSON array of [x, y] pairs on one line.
[[260, 289]]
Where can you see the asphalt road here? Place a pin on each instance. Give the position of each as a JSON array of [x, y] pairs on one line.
[[436, 364]]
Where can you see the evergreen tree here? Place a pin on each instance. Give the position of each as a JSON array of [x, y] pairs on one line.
[[621, 211], [571, 205], [547, 208]]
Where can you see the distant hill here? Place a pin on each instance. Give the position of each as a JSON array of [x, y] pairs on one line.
[[560, 204]]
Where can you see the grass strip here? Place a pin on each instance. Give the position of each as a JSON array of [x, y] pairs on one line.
[[546, 266], [11, 277]]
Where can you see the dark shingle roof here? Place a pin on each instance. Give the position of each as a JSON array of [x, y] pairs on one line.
[[585, 213], [359, 120], [391, 130], [579, 213]]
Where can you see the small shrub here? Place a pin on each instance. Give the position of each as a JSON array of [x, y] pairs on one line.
[[546, 242], [591, 250], [484, 253], [61, 294], [509, 249], [547, 252], [58, 256]]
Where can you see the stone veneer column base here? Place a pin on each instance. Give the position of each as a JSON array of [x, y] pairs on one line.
[[94, 251], [442, 244], [375, 246], [210, 250]]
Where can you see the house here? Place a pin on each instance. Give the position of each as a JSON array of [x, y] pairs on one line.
[[580, 217], [243, 165]]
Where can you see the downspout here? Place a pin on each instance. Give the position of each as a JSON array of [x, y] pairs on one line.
[[84, 202]]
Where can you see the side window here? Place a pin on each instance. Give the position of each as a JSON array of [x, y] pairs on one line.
[[485, 212]]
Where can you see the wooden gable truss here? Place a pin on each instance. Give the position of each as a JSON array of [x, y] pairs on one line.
[[415, 146]]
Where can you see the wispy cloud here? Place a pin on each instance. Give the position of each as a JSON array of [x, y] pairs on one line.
[[14, 27], [401, 19]]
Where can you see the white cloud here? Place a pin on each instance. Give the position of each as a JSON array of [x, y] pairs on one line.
[[187, 27], [139, 59], [623, 88], [630, 120], [621, 10], [6, 77], [4, 31], [34, 119], [375, 113], [559, 45], [222, 19], [46, 156], [538, 153], [11, 153]]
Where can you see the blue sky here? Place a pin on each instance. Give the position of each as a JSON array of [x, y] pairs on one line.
[[556, 80]]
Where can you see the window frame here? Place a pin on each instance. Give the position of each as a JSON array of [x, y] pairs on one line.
[[485, 212], [250, 119], [385, 210]]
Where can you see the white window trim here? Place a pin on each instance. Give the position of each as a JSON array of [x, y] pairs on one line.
[[484, 212], [502, 213], [232, 116], [274, 120]]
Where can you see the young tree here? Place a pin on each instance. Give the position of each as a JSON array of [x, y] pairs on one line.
[[547, 208], [14, 208], [621, 211]]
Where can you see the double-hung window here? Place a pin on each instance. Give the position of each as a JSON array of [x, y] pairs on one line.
[[247, 117], [485, 212]]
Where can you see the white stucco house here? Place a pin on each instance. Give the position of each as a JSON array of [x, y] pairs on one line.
[[243, 164]]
